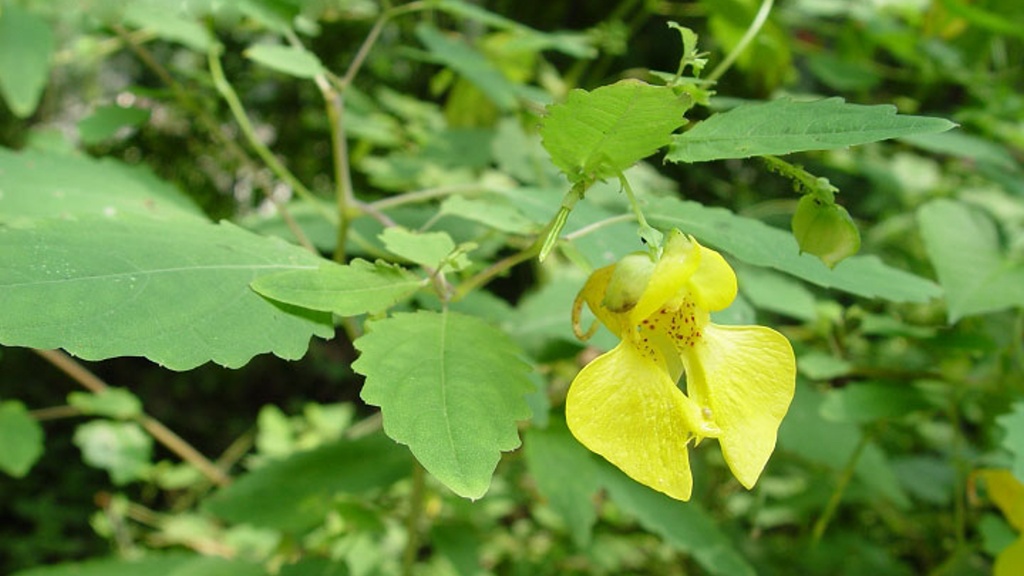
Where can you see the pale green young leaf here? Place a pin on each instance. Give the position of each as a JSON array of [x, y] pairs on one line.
[[963, 245], [26, 47], [493, 211], [313, 480], [426, 248], [356, 288], [176, 292], [754, 242], [105, 122], [22, 438], [45, 185], [451, 387], [785, 126], [567, 476], [685, 526], [1013, 427], [123, 449], [112, 402], [290, 60], [169, 23], [598, 134]]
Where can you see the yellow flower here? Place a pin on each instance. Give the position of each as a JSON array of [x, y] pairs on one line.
[[628, 404]]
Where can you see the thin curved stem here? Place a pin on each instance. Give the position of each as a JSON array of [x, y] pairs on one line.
[[759, 19], [821, 524]]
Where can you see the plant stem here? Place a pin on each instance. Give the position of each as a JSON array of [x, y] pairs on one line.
[[837, 495], [412, 522], [238, 111], [594, 227], [424, 195], [759, 19], [161, 433]]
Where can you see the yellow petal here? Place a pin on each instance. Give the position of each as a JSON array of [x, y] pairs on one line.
[[593, 294], [713, 285], [679, 260], [1010, 562], [623, 407], [745, 377], [1007, 493]]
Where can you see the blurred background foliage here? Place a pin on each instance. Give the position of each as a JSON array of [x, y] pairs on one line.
[[897, 408]]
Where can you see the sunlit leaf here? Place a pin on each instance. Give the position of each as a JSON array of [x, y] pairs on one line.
[[451, 387], [22, 443], [785, 126], [963, 245], [111, 402], [1013, 425], [123, 449], [598, 134], [293, 61], [105, 121], [170, 23], [426, 248]]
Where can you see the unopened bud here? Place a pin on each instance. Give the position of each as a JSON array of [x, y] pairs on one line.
[[825, 229]]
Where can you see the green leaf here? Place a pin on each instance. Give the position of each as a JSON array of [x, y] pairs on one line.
[[471, 64], [963, 145], [683, 525], [567, 476], [105, 121], [1013, 425], [963, 245], [149, 565], [120, 448], [290, 60], [754, 242], [116, 403], [774, 292], [451, 387], [22, 443], [493, 211], [313, 480], [596, 135], [26, 47], [176, 292], [41, 185], [169, 24], [356, 288], [866, 402], [785, 126], [426, 248]]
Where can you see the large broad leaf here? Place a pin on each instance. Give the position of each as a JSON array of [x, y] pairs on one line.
[[26, 46], [757, 243], [596, 135], [176, 292], [356, 288], [566, 475], [784, 126], [40, 185], [963, 245], [683, 525], [295, 494], [451, 387]]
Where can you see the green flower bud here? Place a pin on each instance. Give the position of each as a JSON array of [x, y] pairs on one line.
[[825, 230], [628, 282]]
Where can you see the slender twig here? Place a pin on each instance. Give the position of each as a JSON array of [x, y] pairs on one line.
[[161, 433], [594, 227], [371, 39], [837, 495], [424, 195], [759, 19], [486, 275]]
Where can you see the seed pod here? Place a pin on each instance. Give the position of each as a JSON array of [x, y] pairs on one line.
[[628, 282], [825, 229]]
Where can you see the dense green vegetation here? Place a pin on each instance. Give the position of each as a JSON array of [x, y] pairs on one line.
[[287, 286]]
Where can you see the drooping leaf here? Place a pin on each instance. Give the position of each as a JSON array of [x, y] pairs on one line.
[[290, 60], [176, 292], [963, 245], [471, 64], [42, 185], [785, 126], [756, 243], [294, 494], [123, 449], [596, 135], [26, 47], [105, 121], [112, 402], [22, 438], [356, 288], [451, 387], [683, 525], [567, 476]]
